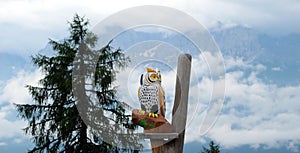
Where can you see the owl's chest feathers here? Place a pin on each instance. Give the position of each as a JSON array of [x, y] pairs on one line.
[[149, 97], [149, 91]]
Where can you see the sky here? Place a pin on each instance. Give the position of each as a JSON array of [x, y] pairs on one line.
[[24, 20], [267, 117]]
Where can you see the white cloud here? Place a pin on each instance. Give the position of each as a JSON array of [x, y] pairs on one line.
[[214, 62], [31, 23], [267, 16], [277, 69], [14, 91], [3, 144], [18, 140], [292, 145], [151, 52], [128, 83], [11, 128], [256, 113], [54, 13]]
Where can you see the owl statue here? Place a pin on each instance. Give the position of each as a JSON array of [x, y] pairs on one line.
[[151, 95]]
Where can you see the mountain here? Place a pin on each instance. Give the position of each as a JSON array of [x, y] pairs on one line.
[[252, 45], [279, 54], [239, 41]]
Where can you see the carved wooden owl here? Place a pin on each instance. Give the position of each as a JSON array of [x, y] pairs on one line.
[[151, 94]]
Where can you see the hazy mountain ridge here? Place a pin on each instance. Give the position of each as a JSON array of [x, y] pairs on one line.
[[246, 42], [238, 42], [280, 54]]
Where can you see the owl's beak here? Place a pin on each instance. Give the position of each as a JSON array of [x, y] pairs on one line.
[[158, 78], [157, 74]]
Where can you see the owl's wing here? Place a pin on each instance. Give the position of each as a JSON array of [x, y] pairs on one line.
[[162, 101], [139, 92]]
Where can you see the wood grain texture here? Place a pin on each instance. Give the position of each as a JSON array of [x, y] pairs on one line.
[[179, 112]]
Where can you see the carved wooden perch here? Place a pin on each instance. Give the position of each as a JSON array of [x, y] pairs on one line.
[[150, 124]]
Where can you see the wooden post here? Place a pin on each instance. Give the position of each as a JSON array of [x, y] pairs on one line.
[[179, 112]]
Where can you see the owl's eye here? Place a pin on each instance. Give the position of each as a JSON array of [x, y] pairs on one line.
[[153, 76]]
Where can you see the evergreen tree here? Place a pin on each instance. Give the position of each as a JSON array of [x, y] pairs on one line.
[[213, 148], [75, 106]]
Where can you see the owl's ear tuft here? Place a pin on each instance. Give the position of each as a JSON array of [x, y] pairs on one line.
[[150, 70]]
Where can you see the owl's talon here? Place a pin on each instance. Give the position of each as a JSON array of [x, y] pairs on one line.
[[153, 115]]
